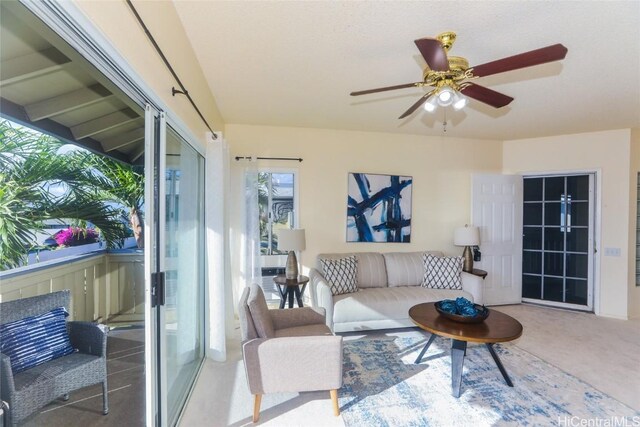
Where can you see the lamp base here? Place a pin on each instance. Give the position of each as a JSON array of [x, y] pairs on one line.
[[291, 269], [467, 256]]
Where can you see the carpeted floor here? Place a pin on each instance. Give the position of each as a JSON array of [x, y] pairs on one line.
[[384, 387], [601, 352], [125, 367]]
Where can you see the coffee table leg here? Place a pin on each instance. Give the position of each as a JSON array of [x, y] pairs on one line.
[[499, 364], [458, 350], [426, 347]]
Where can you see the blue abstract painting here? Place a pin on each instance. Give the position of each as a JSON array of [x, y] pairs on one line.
[[379, 208]]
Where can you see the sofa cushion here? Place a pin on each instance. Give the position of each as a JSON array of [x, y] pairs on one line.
[[442, 272], [372, 272], [387, 303], [260, 313], [341, 273], [405, 268], [34, 340]]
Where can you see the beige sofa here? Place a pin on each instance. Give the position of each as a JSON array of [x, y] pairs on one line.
[[388, 285]]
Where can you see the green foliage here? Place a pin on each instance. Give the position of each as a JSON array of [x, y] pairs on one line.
[[30, 167]]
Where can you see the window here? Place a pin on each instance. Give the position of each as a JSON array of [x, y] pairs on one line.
[[276, 192]]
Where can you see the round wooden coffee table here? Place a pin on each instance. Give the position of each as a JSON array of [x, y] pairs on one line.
[[498, 327]]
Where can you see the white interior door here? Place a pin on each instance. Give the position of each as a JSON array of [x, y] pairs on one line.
[[496, 208]]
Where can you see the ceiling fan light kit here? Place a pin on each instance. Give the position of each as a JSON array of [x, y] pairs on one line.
[[449, 76]]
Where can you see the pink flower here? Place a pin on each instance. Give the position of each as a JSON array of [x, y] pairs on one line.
[[76, 236]]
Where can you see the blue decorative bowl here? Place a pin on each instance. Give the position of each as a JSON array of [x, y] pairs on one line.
[[483, 313]]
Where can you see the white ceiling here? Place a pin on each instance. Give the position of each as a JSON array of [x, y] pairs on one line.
[[294, 63]]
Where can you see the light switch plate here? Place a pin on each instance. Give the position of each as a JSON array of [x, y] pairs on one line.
[[611, 251]]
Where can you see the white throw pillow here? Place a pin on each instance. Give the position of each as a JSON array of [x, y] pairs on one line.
[[442, 272], [341, 274]]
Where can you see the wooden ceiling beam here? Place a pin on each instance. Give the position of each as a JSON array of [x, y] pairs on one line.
[[119, 141], [137, 153], [67, 102], [32, 65], [104, 123], [16, 113]]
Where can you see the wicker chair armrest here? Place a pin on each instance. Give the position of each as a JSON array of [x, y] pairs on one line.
[[89, 338], [7, 386]]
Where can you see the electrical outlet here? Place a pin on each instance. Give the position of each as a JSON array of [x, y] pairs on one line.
[[611, 251]]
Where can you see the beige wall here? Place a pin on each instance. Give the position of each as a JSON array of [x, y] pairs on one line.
[[441, 169], [118, 24], [634, 238], [608, 154]]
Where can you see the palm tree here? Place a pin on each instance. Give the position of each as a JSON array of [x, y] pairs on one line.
[[30, 168], [119, 183]]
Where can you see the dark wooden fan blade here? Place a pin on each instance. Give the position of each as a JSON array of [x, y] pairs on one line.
[[433, 53], [383, 89], [488, 96], [417, 105], [522, 60]]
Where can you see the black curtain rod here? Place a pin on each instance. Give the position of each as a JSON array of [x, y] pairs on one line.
[[183, 90], [298, 159]]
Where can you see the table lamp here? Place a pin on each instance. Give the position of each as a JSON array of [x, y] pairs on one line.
[[467, 236], [291, 240]]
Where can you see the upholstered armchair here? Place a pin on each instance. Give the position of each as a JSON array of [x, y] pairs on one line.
[[289, 350], [31, 389]]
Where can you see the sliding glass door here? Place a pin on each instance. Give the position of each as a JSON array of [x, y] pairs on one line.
[[175, 196], [183, 310]]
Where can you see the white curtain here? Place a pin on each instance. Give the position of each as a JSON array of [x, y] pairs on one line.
[[250, 263], [219, 291]]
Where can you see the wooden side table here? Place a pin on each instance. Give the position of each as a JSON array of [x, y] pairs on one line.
[[479, 273], [290, 288]]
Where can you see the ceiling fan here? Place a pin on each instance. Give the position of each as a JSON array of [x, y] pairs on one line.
[[449, 76]]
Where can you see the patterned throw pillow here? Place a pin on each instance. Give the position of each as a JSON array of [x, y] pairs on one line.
[[341, 274], [442, 272], [36, 339]]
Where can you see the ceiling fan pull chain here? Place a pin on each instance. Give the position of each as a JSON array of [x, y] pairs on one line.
[[444, 123]]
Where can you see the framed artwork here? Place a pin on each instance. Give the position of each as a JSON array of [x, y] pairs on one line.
[[379, 208]]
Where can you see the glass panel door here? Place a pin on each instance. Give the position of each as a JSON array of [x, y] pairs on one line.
[[558, 240], [182, 315], [174, 230]]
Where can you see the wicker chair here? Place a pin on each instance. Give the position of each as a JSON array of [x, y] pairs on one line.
[[30, 390]]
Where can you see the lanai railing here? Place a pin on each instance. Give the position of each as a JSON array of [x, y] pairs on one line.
[[104, 284]]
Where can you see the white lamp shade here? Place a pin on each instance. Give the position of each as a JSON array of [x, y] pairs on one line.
[[466, 236], [291, 239]]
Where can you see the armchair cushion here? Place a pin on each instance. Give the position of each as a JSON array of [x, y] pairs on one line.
[[260, 313], [34, 340], [303, 331], [299, 317]]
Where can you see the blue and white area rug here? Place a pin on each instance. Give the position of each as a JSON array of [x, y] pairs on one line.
[[383, 387]]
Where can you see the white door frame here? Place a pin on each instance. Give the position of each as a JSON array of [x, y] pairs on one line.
[[597, 210]]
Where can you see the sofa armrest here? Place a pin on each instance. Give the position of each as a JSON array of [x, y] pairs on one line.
[[291, 364], [473, 284], [321, 295], [7, 386], [297, 317], [89, 338]]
